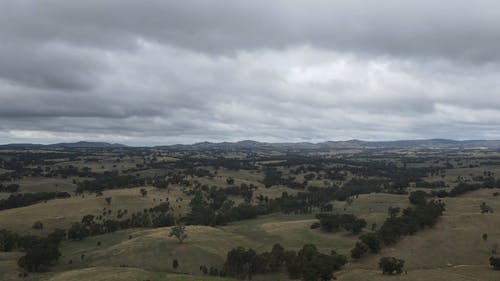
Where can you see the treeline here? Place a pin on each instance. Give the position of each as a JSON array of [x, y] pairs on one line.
[[307, 264], [44, 252], [214, 208], [66, 171], [463, 188], [91, 226], [395, 226], [426, 184], [336, 222], [11, 188], [25, 199], [109, 180], [320, 198], [190, 162], [18, 160]]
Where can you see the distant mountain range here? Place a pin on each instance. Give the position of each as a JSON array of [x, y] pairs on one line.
[[332, 145], [249, 144], [80, 144]]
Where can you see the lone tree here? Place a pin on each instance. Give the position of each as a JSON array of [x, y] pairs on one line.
[[485, 208], [495, 262], [175, 264], [108, 200], [38, 225], [485, 236], [144, 192], [393, 211], [179, 231], [391, 265]]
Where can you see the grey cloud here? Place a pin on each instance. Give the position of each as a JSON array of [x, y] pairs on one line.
[[145, 72], [49, 66], [450, 28]]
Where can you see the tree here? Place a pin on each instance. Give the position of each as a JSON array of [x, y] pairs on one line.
[[175, 264], [418, 197], [372, 241], [12, 188], [88, 220], [393, 211], [144, 192], [8, 240], [391, 265], [485, 236], [311, 265], [495, 262], [230, 180], [359, 250], [277, 257], [239, 262], [333, 222], [485, 208], [78, 231], [179, 231], [39, 255], [108, 200]]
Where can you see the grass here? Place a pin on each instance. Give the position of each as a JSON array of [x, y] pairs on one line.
[[452, 250], [473, 273], [61, 213], [103, 273], [456, 241], [153, 249], [44, 184]]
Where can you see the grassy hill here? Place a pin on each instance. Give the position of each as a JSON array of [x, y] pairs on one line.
[[454, 247]]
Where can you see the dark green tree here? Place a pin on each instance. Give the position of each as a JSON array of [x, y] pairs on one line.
[[391, 265]]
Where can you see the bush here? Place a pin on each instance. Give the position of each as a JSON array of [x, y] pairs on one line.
[[37, 225]]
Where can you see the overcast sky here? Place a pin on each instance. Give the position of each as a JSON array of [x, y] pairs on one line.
[[160, 72]]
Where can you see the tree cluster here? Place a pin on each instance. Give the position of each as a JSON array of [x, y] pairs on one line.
[[307, 264], [335, 222], [11, 188], [40, 253], [410, 221]]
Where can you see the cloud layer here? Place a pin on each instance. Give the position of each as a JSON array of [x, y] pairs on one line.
[[155, 72]]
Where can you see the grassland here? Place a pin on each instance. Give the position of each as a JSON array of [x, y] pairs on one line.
[[453, 250], [61, 213]]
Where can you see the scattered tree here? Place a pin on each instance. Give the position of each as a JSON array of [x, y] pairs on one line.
[[108, 200], [179, 231]]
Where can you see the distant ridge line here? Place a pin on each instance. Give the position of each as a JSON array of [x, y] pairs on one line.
[[251, 144]]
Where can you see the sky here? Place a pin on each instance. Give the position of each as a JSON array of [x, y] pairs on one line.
[[161, 72]]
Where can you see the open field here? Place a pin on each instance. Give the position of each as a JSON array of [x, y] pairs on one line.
[[43, 184]]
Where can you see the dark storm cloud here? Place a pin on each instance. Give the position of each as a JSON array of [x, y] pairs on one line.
[[182, 71]]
